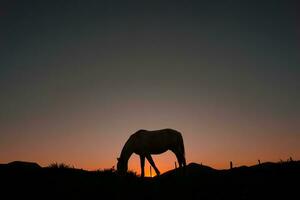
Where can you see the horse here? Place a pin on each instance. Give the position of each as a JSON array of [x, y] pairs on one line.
[[145, 142]]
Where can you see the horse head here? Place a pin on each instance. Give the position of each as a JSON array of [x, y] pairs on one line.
[[121, 166]]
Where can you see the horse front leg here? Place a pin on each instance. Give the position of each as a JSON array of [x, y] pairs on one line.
[[142, 158], [149, 158]]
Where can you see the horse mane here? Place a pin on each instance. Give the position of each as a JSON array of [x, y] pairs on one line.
[[125, 149], [182, 145], [139, 131]]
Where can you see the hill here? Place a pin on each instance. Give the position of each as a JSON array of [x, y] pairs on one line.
[[264, 181]]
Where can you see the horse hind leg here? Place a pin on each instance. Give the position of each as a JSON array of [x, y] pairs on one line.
[[183, 161], [180, 159]]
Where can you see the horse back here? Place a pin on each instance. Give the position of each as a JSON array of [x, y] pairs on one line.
[[155, 142]]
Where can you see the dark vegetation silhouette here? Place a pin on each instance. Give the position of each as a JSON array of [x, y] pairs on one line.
[[144, 143], [24, 180], [60, 165], [28, 180]]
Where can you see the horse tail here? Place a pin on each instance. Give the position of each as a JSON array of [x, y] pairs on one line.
[[181, 146]]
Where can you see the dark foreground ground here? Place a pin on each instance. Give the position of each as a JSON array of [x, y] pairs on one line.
[[21, 180]]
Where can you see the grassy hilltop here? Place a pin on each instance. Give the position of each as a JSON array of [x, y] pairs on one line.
[[264, 181]]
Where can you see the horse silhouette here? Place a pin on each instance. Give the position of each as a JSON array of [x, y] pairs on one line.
[[145, 142]]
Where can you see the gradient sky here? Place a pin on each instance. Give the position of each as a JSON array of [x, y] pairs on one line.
[[77, 78]]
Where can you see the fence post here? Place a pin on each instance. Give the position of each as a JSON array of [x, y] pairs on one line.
[[258, 161], [150, 171], [230, 164]]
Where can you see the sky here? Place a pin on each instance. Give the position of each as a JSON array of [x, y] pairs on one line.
[[77, 78]]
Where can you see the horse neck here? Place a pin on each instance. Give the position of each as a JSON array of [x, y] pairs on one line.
[[127, 151]]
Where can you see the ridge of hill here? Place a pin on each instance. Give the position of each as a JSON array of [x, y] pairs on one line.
[[264, 181]]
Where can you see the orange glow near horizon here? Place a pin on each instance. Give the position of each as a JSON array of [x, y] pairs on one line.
[[82, 145], [92, 137]]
